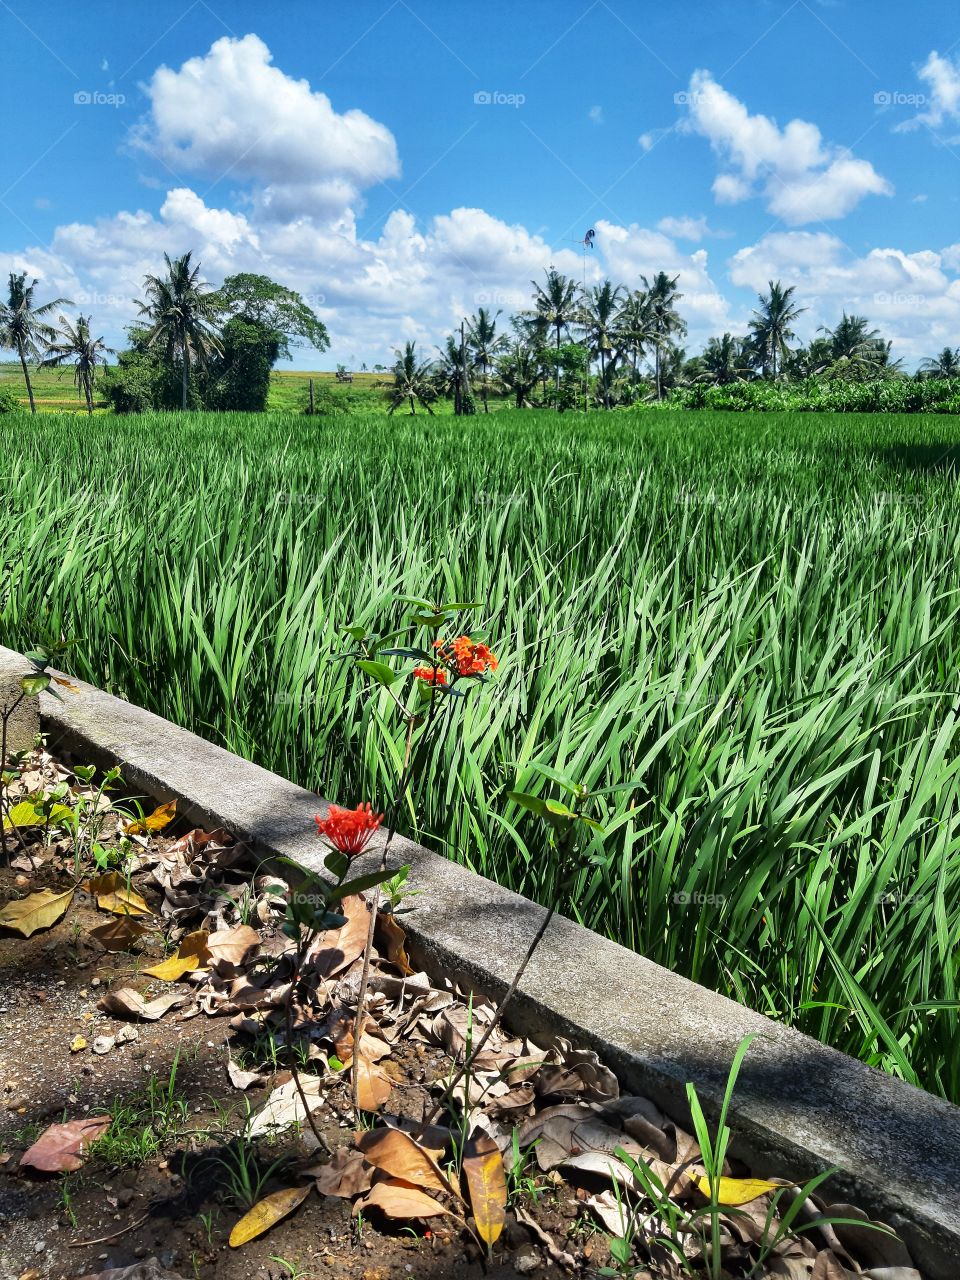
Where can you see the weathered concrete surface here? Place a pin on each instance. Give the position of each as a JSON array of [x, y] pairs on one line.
[[799, 1107], [23, 724]]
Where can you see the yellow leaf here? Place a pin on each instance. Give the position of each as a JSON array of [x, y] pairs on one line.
[[66, 684], [113, 893], [735, 1191], [160, 818], [27, 814], [268, 1211], [38, 911], [401, 1156], [77, 1043], [487, 1184], [192, 954]]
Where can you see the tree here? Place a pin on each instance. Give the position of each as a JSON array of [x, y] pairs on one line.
[[260, 300], [451, 375], [411, 380], [22, 328], [518, 372], [484, 345], [601, 312], [635, 327], [944, 365], [857, 352], [723, 361], [238, 377], [181, 313], [664, 320], [771, 329], [555, 306], [78, 347]]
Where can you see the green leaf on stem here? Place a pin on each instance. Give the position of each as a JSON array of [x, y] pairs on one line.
[[359, 883], [378, 671], [34, 685]]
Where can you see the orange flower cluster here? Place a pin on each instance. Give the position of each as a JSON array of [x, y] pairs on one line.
[[430, 675], [465, 656], [349, 830]]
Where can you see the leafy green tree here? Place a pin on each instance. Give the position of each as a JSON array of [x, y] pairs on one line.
[[74, 344], [572, 364], [238, 377], [22, 327], [556, 307], [260, 300], [944, 365], [412, 381], [518, 372], [485, 345], [181, 312], [771, 328], [601, 313], [664, 320]]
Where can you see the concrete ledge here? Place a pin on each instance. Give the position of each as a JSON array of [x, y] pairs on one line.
[[799, 1107], [23, 724]]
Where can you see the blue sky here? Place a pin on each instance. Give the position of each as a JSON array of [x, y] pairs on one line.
[[401, 163]]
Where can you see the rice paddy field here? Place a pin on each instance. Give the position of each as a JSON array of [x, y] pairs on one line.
[[752, 620]]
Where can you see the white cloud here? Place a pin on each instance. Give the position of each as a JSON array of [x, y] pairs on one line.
[[595, 115], [688, 228], [802, 178], [942, 78], [232, 113], [913, 298]]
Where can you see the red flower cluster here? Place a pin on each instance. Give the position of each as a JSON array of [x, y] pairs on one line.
[[430, 675], [349, 830], [465, 656]]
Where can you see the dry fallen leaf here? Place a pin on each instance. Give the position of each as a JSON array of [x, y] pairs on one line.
[[59, 1148], [160, 818], [397, 1154], [119, 934], [193, 953], [346, 1175], [284, 1106], [487, 1184], [199, 839], [113, 893], [266, 1213], [232, 945], [77, 1043], [37, 911], [399, 1200], [737, 1191], [373, 1086], [392, 939], [127, 1003], [336, 949]]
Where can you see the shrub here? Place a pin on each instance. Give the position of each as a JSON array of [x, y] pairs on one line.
[[9, 400]]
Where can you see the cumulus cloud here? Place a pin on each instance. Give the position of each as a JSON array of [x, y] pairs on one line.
[[802, 178], [941, 75], [232, 113], [913, 298]]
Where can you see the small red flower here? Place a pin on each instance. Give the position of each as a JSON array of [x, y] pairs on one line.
[[430, 675], [465, 656], [349, 830]]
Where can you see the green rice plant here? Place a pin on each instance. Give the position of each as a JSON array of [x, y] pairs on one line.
[[752, 619]]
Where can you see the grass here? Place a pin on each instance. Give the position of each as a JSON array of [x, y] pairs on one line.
[[752, 618]]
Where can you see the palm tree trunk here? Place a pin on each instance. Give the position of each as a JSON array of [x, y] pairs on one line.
[[185, 372], [603, 377], [88, 392], [413, 407], [659, 385], [558, 362], [26, 378], [486, 407]]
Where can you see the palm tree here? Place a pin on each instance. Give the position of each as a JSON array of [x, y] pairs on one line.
[[412, 380], [634, 327], [601, 312], [663, 316], [21, 327], [519, 372], [723, 361], [181, 312], [77, 347], [857, 352], [484, 345], [555, 305], [945, 365], [770, 326]]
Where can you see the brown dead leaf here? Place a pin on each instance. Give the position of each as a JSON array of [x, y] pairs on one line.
[[487, 1184], [337, 949], [241, 1079], [120, 934], [232, 945], [113, 893], [398, 1199], [345, 1176], [127, 1003], [399, 1155], [161, 817], [199, 839], [391, 940], [373, 1086], [59, 1148]]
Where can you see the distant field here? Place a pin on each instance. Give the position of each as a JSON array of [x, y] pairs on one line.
[[289, 391], [749, 624]]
